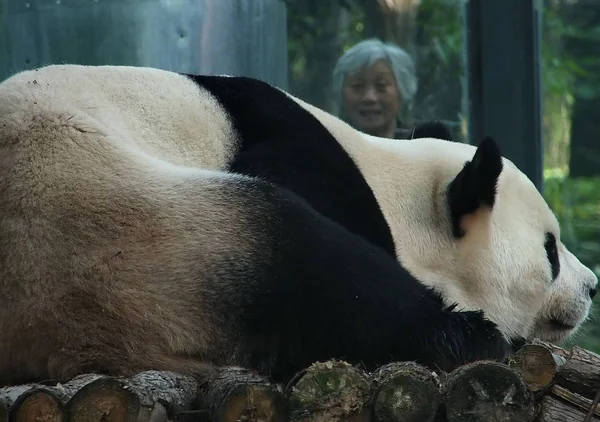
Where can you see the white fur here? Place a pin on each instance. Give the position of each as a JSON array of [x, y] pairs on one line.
[[149, 131]]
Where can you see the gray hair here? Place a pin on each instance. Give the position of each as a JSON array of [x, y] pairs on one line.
[[365, 54]]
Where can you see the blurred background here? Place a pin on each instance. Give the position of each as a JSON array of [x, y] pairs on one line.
[[526, 72]]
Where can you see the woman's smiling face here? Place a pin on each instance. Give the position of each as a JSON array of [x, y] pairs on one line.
[[372, 100]]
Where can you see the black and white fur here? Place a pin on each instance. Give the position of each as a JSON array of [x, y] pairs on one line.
[[150, 220]]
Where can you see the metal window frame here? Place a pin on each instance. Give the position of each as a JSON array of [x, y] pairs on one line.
[[503, 41]]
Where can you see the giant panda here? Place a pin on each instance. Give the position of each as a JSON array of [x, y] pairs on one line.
[[155, 220]]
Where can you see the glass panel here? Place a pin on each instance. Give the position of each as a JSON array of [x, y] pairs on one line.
[[195, 36], [571, 128], [430, 31]]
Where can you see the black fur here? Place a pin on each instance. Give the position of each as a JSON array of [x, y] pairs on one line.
[[317, 291], [552, 254], [283, 143], [433, 129], [322, 281], [475, 185]]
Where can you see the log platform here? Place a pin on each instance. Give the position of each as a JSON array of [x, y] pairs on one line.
[[541, 383]]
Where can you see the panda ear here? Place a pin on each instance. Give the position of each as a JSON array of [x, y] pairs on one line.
[[474, 187]]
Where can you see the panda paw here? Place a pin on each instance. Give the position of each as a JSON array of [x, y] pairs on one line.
[[474, 338], [484, 340]]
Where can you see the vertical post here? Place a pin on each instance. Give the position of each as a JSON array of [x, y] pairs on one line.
[[503, 72]]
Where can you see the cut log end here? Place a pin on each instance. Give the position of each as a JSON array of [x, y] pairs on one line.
[[102, 399], [239, 395], [405, 392], [329, 391], [536, 365], [253, 403], [484, 391], [38, 405]]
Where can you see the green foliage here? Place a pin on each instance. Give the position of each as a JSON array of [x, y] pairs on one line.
[[439, 55], [576, 203], [558, 73]]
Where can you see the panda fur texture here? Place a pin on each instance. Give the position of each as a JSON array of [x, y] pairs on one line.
[[150, 220]]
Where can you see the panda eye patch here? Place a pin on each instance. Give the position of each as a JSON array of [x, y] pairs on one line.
[[552, 253]]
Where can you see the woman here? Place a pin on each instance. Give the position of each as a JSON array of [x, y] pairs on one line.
[[374, 84]]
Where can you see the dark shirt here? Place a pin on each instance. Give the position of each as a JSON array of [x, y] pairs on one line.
[[403, 131]]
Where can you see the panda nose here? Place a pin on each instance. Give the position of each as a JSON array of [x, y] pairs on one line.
[[593, 292]]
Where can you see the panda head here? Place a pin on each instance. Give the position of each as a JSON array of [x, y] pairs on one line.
[[468, 223]]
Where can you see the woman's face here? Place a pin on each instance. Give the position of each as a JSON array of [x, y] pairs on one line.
[[372, 100]]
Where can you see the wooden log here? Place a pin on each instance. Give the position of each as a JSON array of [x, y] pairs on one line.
[[405, 392], [486, 391], [580, 373], [101, 398], [8, 396], [39, 404], [164, 395], [330, 391], [556, 350], [555, 408], [161, 395], [158, 413], [238, 394], [32, 402], [577, 403], [537, 365]]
